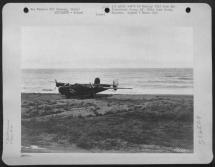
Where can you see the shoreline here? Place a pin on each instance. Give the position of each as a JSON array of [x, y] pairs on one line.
[[107, 123], [116, 93], [157, 94]]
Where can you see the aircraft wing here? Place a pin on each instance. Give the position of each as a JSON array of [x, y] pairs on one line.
[[115, 88]]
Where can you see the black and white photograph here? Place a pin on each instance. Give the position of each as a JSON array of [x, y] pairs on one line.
[[107, 89]]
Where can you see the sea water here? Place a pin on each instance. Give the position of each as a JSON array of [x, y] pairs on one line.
[[142, 81]]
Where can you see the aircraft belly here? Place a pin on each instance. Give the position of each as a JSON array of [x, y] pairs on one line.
[[80, 90]]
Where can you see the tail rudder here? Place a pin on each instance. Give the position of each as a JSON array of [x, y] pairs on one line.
[[57, 84]]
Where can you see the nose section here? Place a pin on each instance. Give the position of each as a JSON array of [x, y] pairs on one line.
[[61, 90]]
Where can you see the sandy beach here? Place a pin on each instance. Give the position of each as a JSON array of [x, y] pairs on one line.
[[107, 123]]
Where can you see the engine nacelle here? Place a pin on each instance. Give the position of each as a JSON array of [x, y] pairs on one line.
[[115, 84]]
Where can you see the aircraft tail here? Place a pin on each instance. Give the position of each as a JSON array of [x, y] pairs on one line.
[[58, 84]]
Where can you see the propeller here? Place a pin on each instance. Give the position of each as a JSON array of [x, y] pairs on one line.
[[92, 86], [115, 84]]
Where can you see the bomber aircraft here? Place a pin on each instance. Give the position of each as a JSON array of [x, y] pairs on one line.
[[89, 90]]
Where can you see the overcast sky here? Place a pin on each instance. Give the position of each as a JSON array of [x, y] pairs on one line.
[[100, 46]]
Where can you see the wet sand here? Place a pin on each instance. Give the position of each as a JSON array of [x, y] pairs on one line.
[[107, 123]]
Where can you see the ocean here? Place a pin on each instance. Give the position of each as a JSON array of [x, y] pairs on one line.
[[142, 81]]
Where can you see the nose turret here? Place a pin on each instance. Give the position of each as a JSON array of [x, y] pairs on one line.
[[61, 90]]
